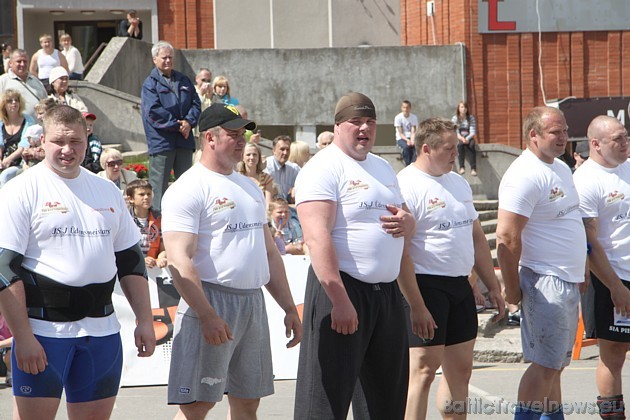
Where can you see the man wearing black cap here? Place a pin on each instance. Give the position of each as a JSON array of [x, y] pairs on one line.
[[351, 210], [221, 253]]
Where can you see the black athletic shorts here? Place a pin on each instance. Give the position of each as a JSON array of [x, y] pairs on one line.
[[452, 305], [604, 319]]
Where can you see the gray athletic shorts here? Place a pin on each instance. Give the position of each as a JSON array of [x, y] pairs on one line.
[[549, 316], [241, 367]]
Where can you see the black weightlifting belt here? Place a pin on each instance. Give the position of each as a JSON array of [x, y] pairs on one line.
[[50, 300]]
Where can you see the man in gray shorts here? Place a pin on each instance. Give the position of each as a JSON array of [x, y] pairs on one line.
[[603, 183], [540, 241], [221, 253]]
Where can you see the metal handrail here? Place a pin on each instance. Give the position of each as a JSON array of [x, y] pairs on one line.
[[95, 55]]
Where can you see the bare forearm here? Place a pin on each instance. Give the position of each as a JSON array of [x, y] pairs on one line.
[[188, 284], [136, 291], [13, 308], [483, 261], [278, 286], [407, 282], [326, 267], [509, 256]]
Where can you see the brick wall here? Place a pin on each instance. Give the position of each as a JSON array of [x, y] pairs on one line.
[[187, 24], [503, 76]]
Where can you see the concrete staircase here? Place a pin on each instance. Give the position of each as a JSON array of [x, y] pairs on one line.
[[496, 342]]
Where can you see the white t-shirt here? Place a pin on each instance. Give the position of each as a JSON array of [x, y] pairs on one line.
[[405, 123], [444, 212], [605, 194], [553, 240], [67, 230], [361, 190], [227, 213]]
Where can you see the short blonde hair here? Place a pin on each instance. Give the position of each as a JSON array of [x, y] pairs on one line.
[[300, 153], [221, 80], [108, 154], [45, 36]]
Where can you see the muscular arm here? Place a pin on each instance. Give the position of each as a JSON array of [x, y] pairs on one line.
[[278, 288], [600, 265], [180, 248], [30, 355], [509, 229], [136, 291], [484, 268], [317, 219]]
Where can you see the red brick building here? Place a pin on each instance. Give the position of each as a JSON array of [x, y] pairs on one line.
[[503, 74]]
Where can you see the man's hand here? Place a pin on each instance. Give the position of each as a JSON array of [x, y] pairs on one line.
[[30, 355], [497, 302], [161, 262], [293, 327], [144, 336], [215, 330], [400, 223], [344, 318], [149, 262], [184, 128], [513, 296], [621, 299], [422, 323]]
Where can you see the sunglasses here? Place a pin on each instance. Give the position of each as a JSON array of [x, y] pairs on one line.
[[113, 163], [13, 101], [205, 80]]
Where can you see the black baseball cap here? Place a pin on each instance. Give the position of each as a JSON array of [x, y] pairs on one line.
[[582, 149], [225, 116]]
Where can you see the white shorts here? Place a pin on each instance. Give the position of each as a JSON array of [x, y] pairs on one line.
[[241, 367], [549, 317]]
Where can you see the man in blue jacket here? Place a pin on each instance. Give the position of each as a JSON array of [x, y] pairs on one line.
[[170, 110]]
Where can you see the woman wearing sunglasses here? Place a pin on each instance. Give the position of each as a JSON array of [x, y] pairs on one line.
[[13, 140], [112, 161]]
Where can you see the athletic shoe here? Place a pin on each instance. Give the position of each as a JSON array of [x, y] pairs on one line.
[[462, 171], [473, 172], [514, 319]]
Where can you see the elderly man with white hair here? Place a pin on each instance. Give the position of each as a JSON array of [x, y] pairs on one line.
[[170, 110]]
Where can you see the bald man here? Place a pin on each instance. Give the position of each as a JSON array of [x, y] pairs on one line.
[[603, 184]]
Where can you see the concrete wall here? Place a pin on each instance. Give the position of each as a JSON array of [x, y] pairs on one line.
[[293, 87], [118, 115], [306, 23]]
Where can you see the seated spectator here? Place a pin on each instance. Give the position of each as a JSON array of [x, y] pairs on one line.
[[42, 106], [252, 166], [13, 141], [6, 50], [112, 161], [221, 91], [60, 92], [73, 57], [140, 197], [34, 153], [94, 147], [300, 153], [130, 27], [287, 228], [46, 59], [6, 341], [324, 139], [467, 136], [281, 170]]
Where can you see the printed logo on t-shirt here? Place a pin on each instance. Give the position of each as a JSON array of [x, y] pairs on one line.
[[455, 224], [78, 231], [357, 185], [105, 210], [241, 226], [435, 204], [614, 196], [54, 206], [555, 194], [221, 204]]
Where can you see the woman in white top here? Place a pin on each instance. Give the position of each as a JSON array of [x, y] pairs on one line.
[[73, 56], [59, 90], [46, 59]]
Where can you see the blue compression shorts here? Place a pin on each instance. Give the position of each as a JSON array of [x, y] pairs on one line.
[[89, 368]]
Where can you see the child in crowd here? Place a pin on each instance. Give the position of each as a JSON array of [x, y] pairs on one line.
[[287, 228], [278, 240], [6, 340], [140, 197], [94, 147], [33, 154]]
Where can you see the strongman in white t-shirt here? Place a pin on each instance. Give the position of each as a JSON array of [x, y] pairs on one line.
[[67, 236], [352, 216], [448, 242], [541, 241], [221, 253], [603, 183]]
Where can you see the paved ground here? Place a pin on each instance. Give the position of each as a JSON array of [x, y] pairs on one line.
[[490, 382]]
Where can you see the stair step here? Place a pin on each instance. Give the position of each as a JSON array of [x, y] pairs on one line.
[[489, 226], [488, 215], [481, 205], [116, 146], [492, 240]]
